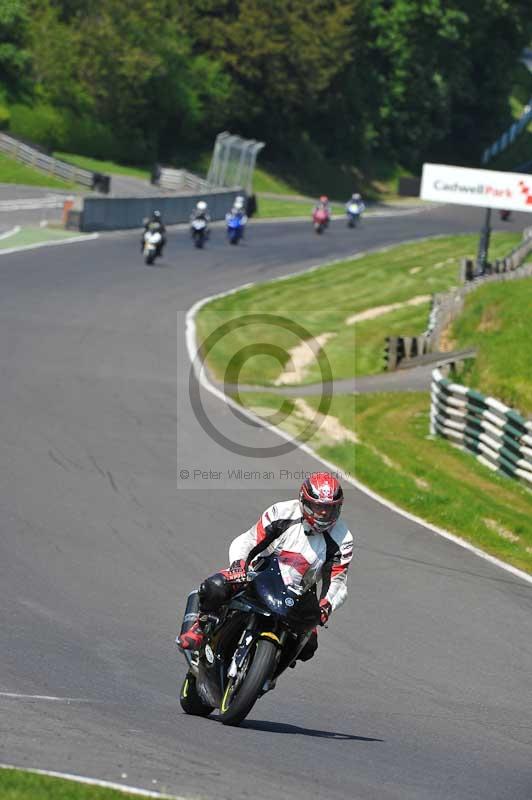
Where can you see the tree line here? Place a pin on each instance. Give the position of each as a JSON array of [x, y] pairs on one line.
[[351, 80]]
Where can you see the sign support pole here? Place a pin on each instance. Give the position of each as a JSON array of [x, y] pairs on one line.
[[484, 242]]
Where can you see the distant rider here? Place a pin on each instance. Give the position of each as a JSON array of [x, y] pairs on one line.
[[155, 225], [323, 205], [312, 544], [200, 211], [356, 199]]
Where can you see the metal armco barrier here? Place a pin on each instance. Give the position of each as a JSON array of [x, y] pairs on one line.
[[179, 180], [447, 306], [59, 169], [115, 213], [498, 436]]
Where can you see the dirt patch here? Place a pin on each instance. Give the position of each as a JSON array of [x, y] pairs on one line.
[[503, 532], [447, 343], [301, 356], [330, 428], [379, 311], [490, 320], [414, 270], [421, 483]]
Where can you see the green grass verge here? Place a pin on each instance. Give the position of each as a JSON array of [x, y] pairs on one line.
[[395, 457], [322, 300], [19, 785], [12, 171], [107, 167], [274, 207], [28, 236], [497, 321]]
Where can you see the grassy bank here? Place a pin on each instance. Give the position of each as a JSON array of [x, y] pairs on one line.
[[12, 171], [19, 785], [497, 321], [107, 167], [271, 208], [323, 300], [395, 457]]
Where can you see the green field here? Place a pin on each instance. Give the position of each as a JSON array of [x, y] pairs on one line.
[[497, 320], [12, 171], [19, 785], [396, 457], [321, 301]]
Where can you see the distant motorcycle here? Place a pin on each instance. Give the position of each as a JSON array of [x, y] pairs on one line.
[[248, 643], [235, 227], [320, 219], [354, 212], [152, 245], [199, 232]]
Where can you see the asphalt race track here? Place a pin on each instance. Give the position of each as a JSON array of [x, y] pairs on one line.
[[422, 684]]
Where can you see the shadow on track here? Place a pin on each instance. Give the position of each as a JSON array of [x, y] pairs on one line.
[[283, 727]]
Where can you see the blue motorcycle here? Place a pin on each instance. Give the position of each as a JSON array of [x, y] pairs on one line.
[[235, 227]]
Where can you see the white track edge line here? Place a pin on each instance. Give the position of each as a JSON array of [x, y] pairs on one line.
[[191, 343], [50, 698], [67, 776], [10, 232], [71, 240]]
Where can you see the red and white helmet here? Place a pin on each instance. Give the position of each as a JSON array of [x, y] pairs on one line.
[[324, 199], [321, 499]]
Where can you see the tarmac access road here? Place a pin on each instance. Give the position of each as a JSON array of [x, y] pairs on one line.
[[421, 687]]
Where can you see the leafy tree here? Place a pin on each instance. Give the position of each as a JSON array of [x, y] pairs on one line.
[[14, 55]]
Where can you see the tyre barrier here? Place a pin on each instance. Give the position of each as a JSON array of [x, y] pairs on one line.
[[497, 435]]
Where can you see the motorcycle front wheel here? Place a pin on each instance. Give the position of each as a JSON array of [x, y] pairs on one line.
[[191, 702], [239, 699]]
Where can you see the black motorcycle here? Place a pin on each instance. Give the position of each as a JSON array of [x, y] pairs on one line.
[[252, 640]]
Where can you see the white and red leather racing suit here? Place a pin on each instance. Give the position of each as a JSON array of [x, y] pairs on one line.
[[305, 557]]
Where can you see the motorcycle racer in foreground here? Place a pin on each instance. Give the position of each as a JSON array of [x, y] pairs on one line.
[[311, 543]]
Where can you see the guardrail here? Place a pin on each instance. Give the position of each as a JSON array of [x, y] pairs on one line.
[[447, 306], [497, 435], [58, 169], [116, 213], [178, 180]]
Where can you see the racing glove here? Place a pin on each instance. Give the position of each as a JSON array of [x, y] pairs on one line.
[[237, 572], [325, 611]]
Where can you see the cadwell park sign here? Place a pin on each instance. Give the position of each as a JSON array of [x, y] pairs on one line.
[[485, 188]]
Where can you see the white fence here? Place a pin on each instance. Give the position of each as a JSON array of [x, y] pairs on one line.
[[498, 436], [59, 169]]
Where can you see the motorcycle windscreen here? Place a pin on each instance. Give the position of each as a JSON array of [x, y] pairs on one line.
[[276, 589]]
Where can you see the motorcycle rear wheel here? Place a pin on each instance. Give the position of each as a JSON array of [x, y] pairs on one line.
[[236, 706], [191, 702]]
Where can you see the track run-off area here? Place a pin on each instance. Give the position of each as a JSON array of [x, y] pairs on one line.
[[421, 685]]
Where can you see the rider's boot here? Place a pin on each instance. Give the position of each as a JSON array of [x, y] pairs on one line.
[[193, 638]]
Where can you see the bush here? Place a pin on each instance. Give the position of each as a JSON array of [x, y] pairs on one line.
[[41, 124], [4, 117]]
